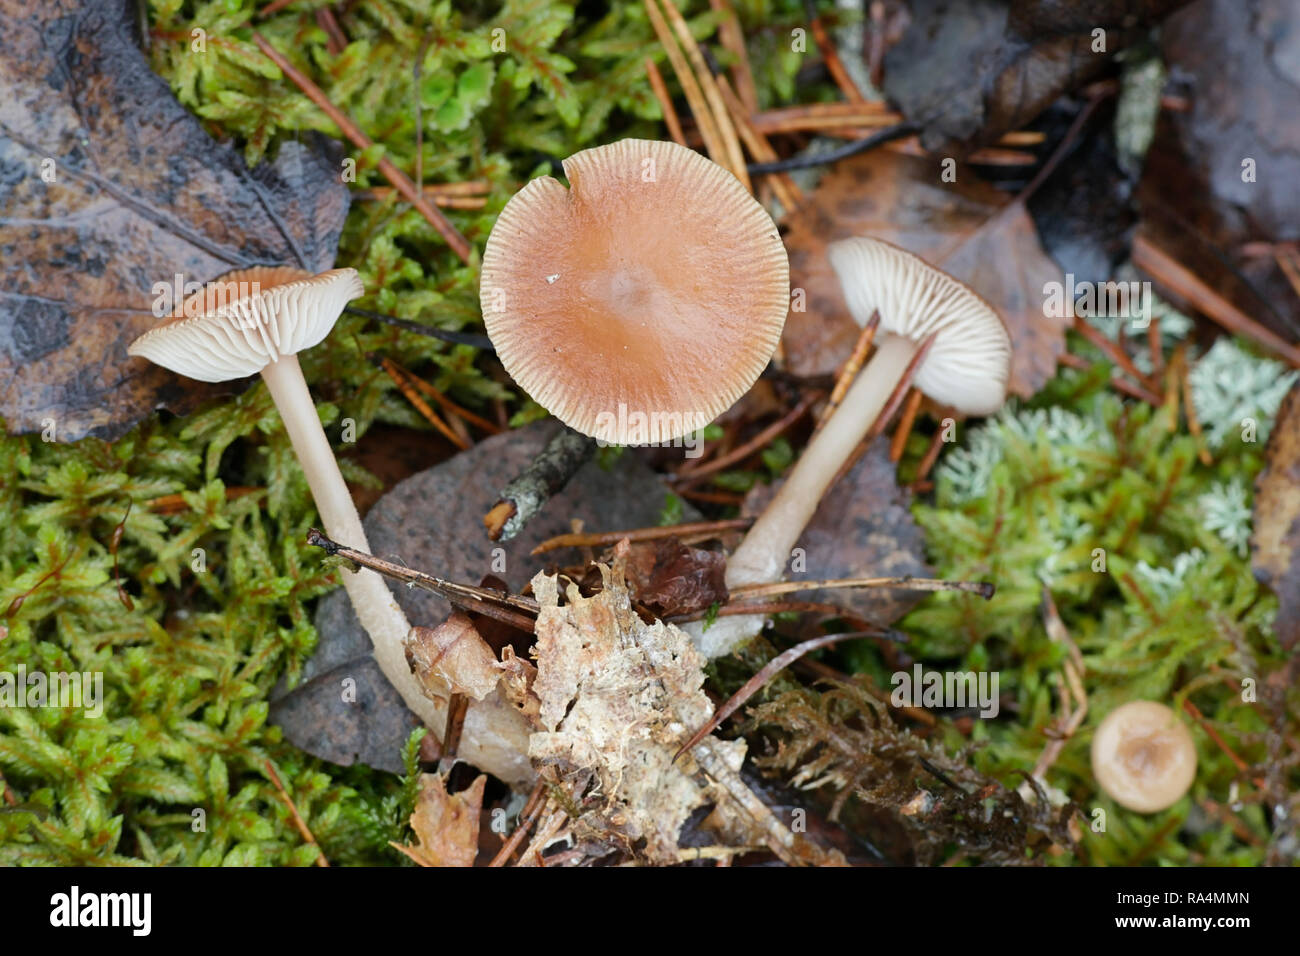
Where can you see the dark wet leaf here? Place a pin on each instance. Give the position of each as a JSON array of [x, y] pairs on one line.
[[968, 228], [970, 70], [1275, 544], [862, 528], [133, 193], [1237, 64], [670, 578], [433, 521]]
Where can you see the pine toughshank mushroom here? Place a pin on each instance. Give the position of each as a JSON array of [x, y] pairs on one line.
[[257, 320], [1143, 756], [966, 368], [643, 300]]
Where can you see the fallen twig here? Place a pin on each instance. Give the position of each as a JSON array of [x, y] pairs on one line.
[[483, 601], [545, 476]]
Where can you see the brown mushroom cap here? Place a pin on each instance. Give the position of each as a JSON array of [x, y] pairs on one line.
[[968, 366], [1143, 756], [243, 320], [655, 282]]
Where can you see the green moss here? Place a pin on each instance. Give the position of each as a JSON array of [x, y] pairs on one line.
[[189, 664]]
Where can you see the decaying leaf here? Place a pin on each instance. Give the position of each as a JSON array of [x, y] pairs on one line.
[[109, 188], [1221, 174], [617, 699], [433, 521], [454, 647], [445, 824], [1275, 545], [862, 528], [967, 228], [843, 740], [970, 70], [671, 578]]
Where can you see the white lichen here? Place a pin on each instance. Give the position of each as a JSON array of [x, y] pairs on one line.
[[1165, 583], [1225, 509], [1234, 391]]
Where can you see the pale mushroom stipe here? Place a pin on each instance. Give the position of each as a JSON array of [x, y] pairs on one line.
[[641, 301], [257, 320], [966, 368], [1143, 756]]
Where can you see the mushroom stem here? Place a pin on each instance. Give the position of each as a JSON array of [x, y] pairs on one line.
[[374, 604], [765, 551]]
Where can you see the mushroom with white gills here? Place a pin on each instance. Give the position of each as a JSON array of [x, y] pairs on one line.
[[257, 320], [966, 369], [641, 302]]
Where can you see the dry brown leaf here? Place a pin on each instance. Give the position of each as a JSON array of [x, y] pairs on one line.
[[1275, 544], [453, 653], [967, 228], [445, 824]]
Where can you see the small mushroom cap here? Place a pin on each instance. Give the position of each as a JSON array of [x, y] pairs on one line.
[[242, 321], [642, 301], [1143, 756], [968, 365]]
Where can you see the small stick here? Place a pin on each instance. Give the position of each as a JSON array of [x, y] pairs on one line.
[[490, 427], [458, 243], [733, 40], [483, 601], [273, 8], [1189, 406], [1070, 360], [1169, 272], [931, 456], [1156, 347], [878, 138], [527, 817], [1112, 351], [382, 194], [471, 188], [604, 538], [298, 821], [1240, 764], [544, 477], [743, 451], [338, 41], [759, 680], [408, 390], [713, 143], [711, 497], [984, 589], [876, 48], [174, 504], [660, 90], [731, 144], [851, 368], [456, 338], [787, 192], [899, 442], [457, 707], [1285, 257], [834, 65]]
